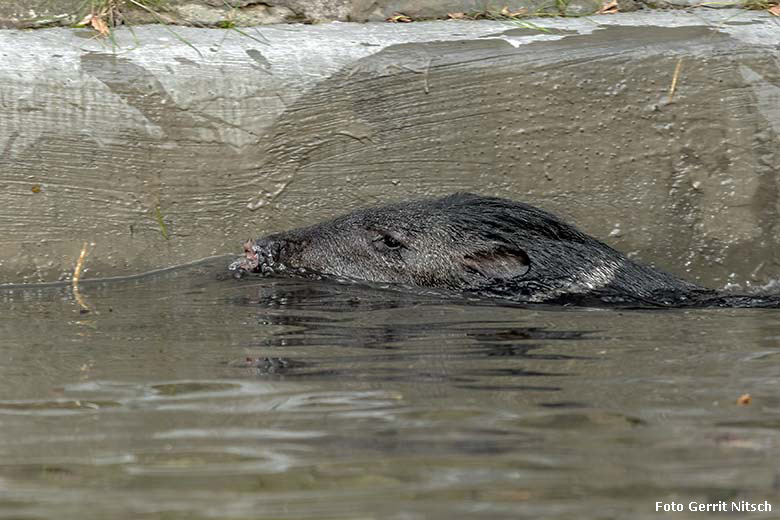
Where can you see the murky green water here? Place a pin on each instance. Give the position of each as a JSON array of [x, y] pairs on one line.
[[183, 396]]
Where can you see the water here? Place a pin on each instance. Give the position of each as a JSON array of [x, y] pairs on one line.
[[186, 396]]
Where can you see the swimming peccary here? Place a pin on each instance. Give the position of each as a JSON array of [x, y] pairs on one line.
[[485, 246]]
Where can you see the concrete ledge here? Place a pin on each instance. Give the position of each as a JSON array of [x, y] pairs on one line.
[[171, 147]]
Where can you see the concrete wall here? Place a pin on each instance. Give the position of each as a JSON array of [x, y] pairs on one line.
[[170, 146]]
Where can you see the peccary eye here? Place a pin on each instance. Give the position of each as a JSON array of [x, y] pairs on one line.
[[387, 243]]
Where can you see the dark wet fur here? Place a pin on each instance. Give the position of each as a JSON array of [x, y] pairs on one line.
[[484, 246]]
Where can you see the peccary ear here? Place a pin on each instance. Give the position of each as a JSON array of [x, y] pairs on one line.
[[500, 261]]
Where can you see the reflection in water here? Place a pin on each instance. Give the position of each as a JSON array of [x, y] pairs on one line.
[[461, 338], [185, 396]]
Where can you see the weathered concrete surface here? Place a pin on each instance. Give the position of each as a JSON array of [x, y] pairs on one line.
[[156, 153]]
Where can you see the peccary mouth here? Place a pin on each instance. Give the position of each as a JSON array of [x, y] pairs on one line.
[[258, 258]]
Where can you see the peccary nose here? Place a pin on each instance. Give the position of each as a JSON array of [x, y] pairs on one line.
[[267, 249], [260, 256]]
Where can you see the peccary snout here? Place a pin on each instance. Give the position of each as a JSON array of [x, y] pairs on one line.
[[260, 256]]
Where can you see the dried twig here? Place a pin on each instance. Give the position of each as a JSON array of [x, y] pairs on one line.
[[675, 78], [77, 277]]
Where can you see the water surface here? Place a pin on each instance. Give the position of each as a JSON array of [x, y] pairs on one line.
[[186, 396]]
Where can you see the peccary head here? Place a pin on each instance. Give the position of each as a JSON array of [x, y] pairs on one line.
[[462, 242]]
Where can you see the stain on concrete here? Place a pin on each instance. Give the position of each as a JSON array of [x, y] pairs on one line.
[[521, 32], [186, 61], [637, 38], [261, 60], [142, 90]]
